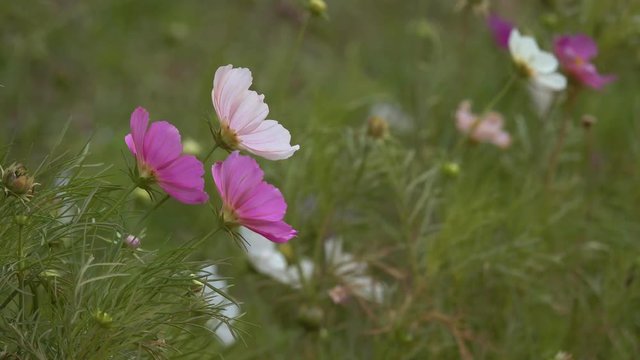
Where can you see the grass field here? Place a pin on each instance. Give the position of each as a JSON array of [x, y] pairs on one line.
[[529, 252]]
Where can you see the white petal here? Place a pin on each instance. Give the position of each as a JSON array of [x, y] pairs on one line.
[[514, 39], [270, 140], [544, 62], [553, 81], [541, 96]]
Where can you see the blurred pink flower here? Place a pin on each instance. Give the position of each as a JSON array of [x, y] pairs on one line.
[[575, 53], [487, 128], [248, 200], [242, 113], [159, 157], [501, 30]]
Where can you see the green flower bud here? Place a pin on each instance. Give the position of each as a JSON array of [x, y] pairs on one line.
[[103, 318], [451, 169], [317, 7], [21, 220], [311, 316]]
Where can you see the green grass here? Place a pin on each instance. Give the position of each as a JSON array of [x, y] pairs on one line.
[[496, 263]]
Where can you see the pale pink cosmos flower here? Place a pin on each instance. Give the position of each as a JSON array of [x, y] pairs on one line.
[[158, 152], [248, 200], [487, 128], [242, 114], [575, 53]]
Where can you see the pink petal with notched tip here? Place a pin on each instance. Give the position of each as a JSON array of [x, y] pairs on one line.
[[182, 179], [278, 232], [269, 140]]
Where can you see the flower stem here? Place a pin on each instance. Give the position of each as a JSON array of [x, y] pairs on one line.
[[119, 201], [154, 208], [206, 158], [20, 274], [501, 94], [562, 134]]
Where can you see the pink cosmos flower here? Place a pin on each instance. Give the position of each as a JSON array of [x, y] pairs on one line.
[[159, 157], [501, 30], [248, 200], [575, 53], [242, 113], [487, 128]]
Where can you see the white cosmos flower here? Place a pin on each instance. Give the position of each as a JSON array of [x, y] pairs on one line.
[[352, 273], [242, 114], [230, 310], [538, 65], [267, 260]]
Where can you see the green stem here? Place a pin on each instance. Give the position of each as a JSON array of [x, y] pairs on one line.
[[154, 208], [206, 158], [501, 94], [21, 297], [572, 93], [119, 201]]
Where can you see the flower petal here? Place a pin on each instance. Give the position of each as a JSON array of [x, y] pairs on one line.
[[139, 122], [235, 177], [544, 62], [183, 180], [553, 81], [270, 140], [161, 144], [229, 85], [276, 231], [249, 114]]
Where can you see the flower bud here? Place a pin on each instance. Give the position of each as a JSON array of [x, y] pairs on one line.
[[142, 195], [191, 147], [21, 220], [197, 286], [317, 7], [377, 127], [451, 169], [132, 242], [103, 318], [16, 181], [311, 316], [588, 121]]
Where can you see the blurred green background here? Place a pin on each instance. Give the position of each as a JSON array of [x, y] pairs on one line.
[[493, 258]]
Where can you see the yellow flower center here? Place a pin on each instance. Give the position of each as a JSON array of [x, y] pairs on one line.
[[523, 68], [229, 217], [229, 137]]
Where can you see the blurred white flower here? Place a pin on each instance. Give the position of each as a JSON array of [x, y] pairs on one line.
[[537, 65], [352, 274], [230, 310], [397, 119], [267, 260]]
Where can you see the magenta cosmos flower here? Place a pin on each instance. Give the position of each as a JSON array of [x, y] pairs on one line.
[[575, 53], [159, 158], [501, 29], [487, 128], [242, 114], [248, 200]]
